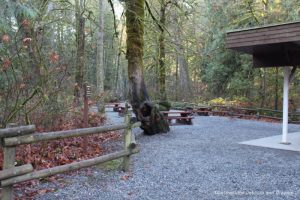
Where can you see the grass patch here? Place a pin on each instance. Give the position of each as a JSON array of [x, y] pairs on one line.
[[111, 165]]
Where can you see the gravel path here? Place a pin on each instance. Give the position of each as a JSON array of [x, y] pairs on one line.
[[202, 161]]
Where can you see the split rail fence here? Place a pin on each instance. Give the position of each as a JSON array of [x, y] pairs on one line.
[[11, 137]]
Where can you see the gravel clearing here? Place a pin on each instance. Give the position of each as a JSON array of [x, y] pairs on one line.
[[202, 161]]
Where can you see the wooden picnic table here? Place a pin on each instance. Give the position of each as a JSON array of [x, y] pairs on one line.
[[181, 117], [114, 106], [202, 110]]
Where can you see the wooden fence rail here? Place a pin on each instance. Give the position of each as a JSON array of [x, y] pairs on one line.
[[235, 111], [11, 137]]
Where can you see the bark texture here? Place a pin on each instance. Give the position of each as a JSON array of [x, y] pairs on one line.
[[162, 53], [100, 60], [80, 42], [183, 71], [152, 120]]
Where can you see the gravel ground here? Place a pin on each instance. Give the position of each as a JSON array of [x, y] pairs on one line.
[[202, 161]]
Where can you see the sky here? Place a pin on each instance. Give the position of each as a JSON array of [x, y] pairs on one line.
[[118, 9]]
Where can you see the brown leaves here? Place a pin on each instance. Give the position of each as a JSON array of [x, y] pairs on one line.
[[26, 24], [54, 57], [26, 42], [6, 64], [5, 38], [59, 152]]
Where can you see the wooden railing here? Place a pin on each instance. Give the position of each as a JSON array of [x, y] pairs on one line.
[[234, 111], [11, 137]]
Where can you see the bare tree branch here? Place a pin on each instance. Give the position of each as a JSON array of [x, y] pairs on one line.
[[113, 10]]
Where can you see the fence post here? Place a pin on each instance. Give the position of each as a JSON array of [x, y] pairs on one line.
[[128, 137], [9, 158]]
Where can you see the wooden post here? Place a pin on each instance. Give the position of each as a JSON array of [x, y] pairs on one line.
[[9, 158], [128, 139], [86, 96]]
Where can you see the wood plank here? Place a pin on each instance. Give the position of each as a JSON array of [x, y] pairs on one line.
[[178, 117], [264, 28], [127, 138], [264, 42], [15, 171], [68, 167], [39, 137], [17, 131], [264, 37], [9, 156], [272, 32]]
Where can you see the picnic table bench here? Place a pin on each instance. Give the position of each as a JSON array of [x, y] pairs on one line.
[[114, 106], [181, 117], [122, 110], [202, 111]]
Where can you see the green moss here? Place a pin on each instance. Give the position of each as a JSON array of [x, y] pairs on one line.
[[111, 165]]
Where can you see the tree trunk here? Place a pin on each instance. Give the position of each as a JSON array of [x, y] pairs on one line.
[[263, 88], [184, 79], [100, 61], [162, 54], [183, 72], [80, 42], [120, 69], [152, 120]]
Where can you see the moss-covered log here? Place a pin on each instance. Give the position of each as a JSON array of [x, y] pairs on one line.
[[152, 120]]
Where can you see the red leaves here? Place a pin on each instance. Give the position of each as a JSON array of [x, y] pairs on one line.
[[54, 57], [26, 24], [26, 42], [6, 64], [5, 38]]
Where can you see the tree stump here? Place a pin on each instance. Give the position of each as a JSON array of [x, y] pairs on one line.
[[153, 121]]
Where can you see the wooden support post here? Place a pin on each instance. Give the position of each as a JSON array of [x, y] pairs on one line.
[[86, 105], [128, 140], [9, 158]]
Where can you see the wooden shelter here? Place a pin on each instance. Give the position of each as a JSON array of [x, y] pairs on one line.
[[271, 46]]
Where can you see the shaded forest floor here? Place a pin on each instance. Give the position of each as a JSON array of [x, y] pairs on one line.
[[202, 161]]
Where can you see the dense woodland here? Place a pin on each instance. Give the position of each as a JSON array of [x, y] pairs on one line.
[[50, 49]]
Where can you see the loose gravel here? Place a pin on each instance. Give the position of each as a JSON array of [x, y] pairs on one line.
[[202, 161]]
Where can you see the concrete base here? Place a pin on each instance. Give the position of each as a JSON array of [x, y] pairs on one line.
[[275, 142]]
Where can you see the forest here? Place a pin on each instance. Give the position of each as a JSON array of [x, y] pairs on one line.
[[51, 49], [67, 67]]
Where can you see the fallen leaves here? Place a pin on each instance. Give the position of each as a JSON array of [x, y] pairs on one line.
[[59, 152], [126, 177]]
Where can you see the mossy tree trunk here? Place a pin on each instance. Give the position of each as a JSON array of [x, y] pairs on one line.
[[152, 120], [80, 45], [162, 53]]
